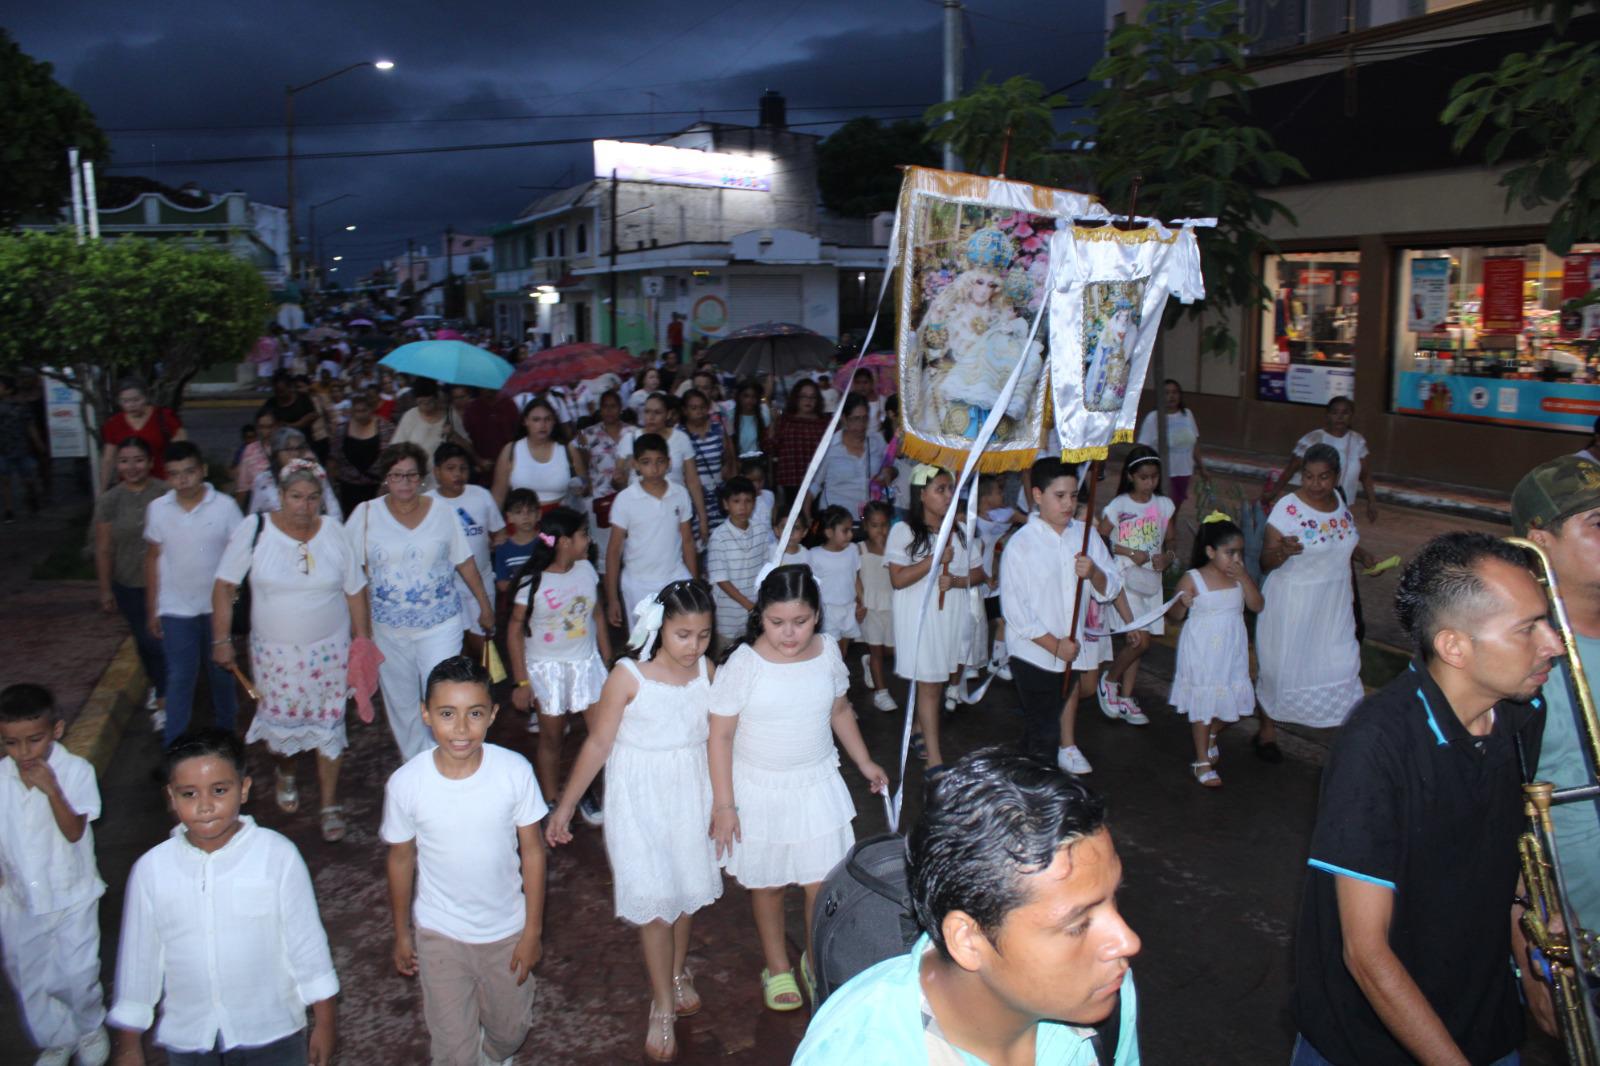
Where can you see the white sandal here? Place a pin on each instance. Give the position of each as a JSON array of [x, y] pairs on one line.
[[661, 1041], [1205, 774]]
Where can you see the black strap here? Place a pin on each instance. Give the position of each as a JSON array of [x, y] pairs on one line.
[[1106, 1036]]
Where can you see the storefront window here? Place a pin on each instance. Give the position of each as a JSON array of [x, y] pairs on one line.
[[1308, 334], [1480, 335]]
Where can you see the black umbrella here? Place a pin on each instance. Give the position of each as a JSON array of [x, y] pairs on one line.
[[776, 348]]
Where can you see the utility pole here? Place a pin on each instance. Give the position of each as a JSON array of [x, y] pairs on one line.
[[614, 343], [952, 69], [288, 166]]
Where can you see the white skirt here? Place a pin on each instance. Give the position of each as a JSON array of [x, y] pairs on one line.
[[939, 653], [794, 824], [658, 805], [566, 686], [877, 628], [839, 621]]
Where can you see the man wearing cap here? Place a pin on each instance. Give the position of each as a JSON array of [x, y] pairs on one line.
[[1557, 506], [1407, 923]]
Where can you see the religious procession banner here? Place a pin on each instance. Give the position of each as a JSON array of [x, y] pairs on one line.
[[1110, 288], [974, 256]]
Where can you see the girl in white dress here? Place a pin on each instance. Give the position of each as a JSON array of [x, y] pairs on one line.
[[877, 595], [1306, 636], [782, 813], [1137, 524], [934, 661], [649, 732], [1212, 682], [836, 565], [558, 636]]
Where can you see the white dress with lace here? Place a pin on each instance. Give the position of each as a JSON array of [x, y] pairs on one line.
[[658, 802], [794, 809]]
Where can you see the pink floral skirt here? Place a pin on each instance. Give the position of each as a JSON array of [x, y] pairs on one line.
[[303, 695]]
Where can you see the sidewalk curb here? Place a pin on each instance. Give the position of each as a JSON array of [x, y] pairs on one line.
[[98, 729]]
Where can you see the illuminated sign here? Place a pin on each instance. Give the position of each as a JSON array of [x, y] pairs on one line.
[[681, 166]]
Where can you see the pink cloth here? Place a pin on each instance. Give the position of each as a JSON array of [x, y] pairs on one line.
[[362, 675]]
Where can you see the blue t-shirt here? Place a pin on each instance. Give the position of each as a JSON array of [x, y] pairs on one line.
[[1563, 762], [509, 557]]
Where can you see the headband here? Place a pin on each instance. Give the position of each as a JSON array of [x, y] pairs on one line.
[[1215, 516], [295, 466], [1143, 459], [923, 473]]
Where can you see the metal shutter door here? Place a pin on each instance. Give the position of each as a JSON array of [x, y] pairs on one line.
[[754, 298]]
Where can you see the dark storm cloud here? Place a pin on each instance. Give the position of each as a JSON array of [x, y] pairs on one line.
[[190, 83]]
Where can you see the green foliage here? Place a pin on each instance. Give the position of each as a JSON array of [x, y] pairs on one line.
[[41, 121], [979, 125], [1543, 109], [1172, 109], [161, 310], [856, 164]]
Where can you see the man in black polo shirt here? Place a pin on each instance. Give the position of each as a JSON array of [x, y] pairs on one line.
[[1406, 932]]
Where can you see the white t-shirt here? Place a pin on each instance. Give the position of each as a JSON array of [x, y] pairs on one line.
[[835, 573], [761, 517], [469, 876], [296, 596], [480, 519], [562, 622], [653, 551], [412, 571], [1352, 449], [680, 449], [191, 547], [1183, 433]]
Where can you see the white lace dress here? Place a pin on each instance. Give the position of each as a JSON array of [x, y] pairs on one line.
[[658, 802], [1306, 634], [1212, 682], [794, 809]]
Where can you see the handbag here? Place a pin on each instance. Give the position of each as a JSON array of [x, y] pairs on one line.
[[241, 591], [1137, 579]]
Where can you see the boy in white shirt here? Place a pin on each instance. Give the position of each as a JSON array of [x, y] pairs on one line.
[[49, 888], [652, 544], [221, 928], [737, 552], [754, 468], [1038, 579], [481, 523], [456, 819], [185, 532]]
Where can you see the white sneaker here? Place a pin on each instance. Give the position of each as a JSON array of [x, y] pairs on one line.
[[1002, 669], [94, 1049], [1072, 761], [54, 1056], [1132, 713], [1110, 699], [952, 697], [883, 701]]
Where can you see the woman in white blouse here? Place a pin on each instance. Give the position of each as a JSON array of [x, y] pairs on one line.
[[412, 546], [306, 605]]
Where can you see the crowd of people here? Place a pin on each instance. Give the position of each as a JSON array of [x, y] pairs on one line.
[[424, 531]]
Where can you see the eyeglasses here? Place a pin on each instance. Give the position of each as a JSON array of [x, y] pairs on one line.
[[306, 562], [412, 476]]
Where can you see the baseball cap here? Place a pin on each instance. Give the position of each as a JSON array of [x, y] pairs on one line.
[[1555, 490]]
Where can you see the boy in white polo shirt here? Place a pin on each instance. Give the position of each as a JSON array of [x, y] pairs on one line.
[[49, 888], [651, 543], [185, 532], [462, 824], [221, 928]]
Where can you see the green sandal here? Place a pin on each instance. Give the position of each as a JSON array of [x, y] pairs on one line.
[[809, 978], [774, 985]]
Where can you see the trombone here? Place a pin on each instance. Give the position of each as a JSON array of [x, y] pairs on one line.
[[1565, 954]]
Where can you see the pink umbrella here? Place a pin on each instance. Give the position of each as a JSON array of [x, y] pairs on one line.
[[881, 364], [359, 322], [448, 335]]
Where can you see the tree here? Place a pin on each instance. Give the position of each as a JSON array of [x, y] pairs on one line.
[[42, 120], [160, 310], [856, 164], [1009, 128], [1543, 107], [1173, 110]]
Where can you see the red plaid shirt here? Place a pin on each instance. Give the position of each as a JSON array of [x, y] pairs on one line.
[[795, 440]]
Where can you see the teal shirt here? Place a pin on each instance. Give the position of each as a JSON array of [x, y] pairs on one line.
[[877, 1018], [1563, 763]]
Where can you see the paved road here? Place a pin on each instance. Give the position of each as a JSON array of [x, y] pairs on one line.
[[1212, 882]]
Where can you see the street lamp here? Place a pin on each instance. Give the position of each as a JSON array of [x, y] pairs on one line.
[[338, 259], [288, 134], [350, 228], [342, 196]]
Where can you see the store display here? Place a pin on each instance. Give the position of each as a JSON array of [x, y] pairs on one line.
[[1309, 335]]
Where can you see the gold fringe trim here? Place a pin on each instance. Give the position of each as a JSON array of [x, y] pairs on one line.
[[953, 184], [1099, 451], [1109, 232], [953, 459]]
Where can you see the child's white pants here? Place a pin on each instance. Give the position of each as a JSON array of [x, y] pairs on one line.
[[53, 963], [409, 655]]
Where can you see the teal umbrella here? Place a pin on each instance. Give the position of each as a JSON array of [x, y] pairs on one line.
[[452, 362]]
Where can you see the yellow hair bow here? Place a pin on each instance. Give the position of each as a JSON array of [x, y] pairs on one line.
[[923, 473], [1215, 516]]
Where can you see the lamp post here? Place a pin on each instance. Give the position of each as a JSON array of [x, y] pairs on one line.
[[316, 262], [288, 135]]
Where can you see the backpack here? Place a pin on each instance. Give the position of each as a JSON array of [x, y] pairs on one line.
[[864, 916]]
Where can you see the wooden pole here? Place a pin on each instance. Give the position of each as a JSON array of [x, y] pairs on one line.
[[1093, 478]]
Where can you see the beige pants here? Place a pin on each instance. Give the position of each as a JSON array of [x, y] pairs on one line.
[[468, 989]]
